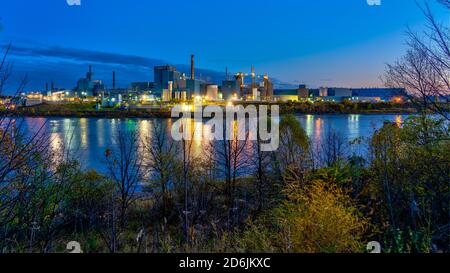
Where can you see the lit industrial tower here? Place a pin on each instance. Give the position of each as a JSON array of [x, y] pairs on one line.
[[192, 67]]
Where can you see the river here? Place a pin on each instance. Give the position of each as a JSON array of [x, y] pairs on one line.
[[89, 138]]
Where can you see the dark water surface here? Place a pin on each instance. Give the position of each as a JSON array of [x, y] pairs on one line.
[[88, 138]]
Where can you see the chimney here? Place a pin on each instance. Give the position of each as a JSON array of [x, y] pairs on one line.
[[114, 80], [90, 73], [192, 68]]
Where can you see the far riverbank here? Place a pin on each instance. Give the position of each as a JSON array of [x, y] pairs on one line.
[[89, 111]]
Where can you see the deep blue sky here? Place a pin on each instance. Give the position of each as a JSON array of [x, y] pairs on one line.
[[317, 42]]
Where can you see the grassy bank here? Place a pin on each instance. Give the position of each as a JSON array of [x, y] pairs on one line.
[[347, 108], [86, 110]]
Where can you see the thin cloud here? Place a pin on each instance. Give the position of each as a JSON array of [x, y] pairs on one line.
[[81, 55], [66, 65]]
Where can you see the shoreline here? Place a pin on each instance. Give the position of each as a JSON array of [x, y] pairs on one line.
[[167, 114], [88, 110]]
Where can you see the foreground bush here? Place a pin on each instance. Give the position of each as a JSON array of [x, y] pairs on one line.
[[319, 218]]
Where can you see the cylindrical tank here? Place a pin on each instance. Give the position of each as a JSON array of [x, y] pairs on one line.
[[170, 90], [212, 92], [184, 96], [165, 95]]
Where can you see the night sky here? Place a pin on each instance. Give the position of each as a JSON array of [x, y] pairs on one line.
[[317, 42]]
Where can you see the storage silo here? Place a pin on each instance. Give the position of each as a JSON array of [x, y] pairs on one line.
[[212, 92]]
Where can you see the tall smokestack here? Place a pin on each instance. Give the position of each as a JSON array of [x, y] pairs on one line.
[[114, 80], [192, 67], [253, 77], [90, 73]]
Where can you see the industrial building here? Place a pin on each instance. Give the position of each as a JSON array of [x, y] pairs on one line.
[[303, 92], [335, 94], [180, 83], [363, 94], [259, 89], [163, 75], [379, 94], [286, 95], [230, 89], [34, 99], [170, 84], [299, 94], [87, 87], [267, 89]]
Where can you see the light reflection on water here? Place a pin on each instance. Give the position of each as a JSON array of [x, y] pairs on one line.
[[88, 138]]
